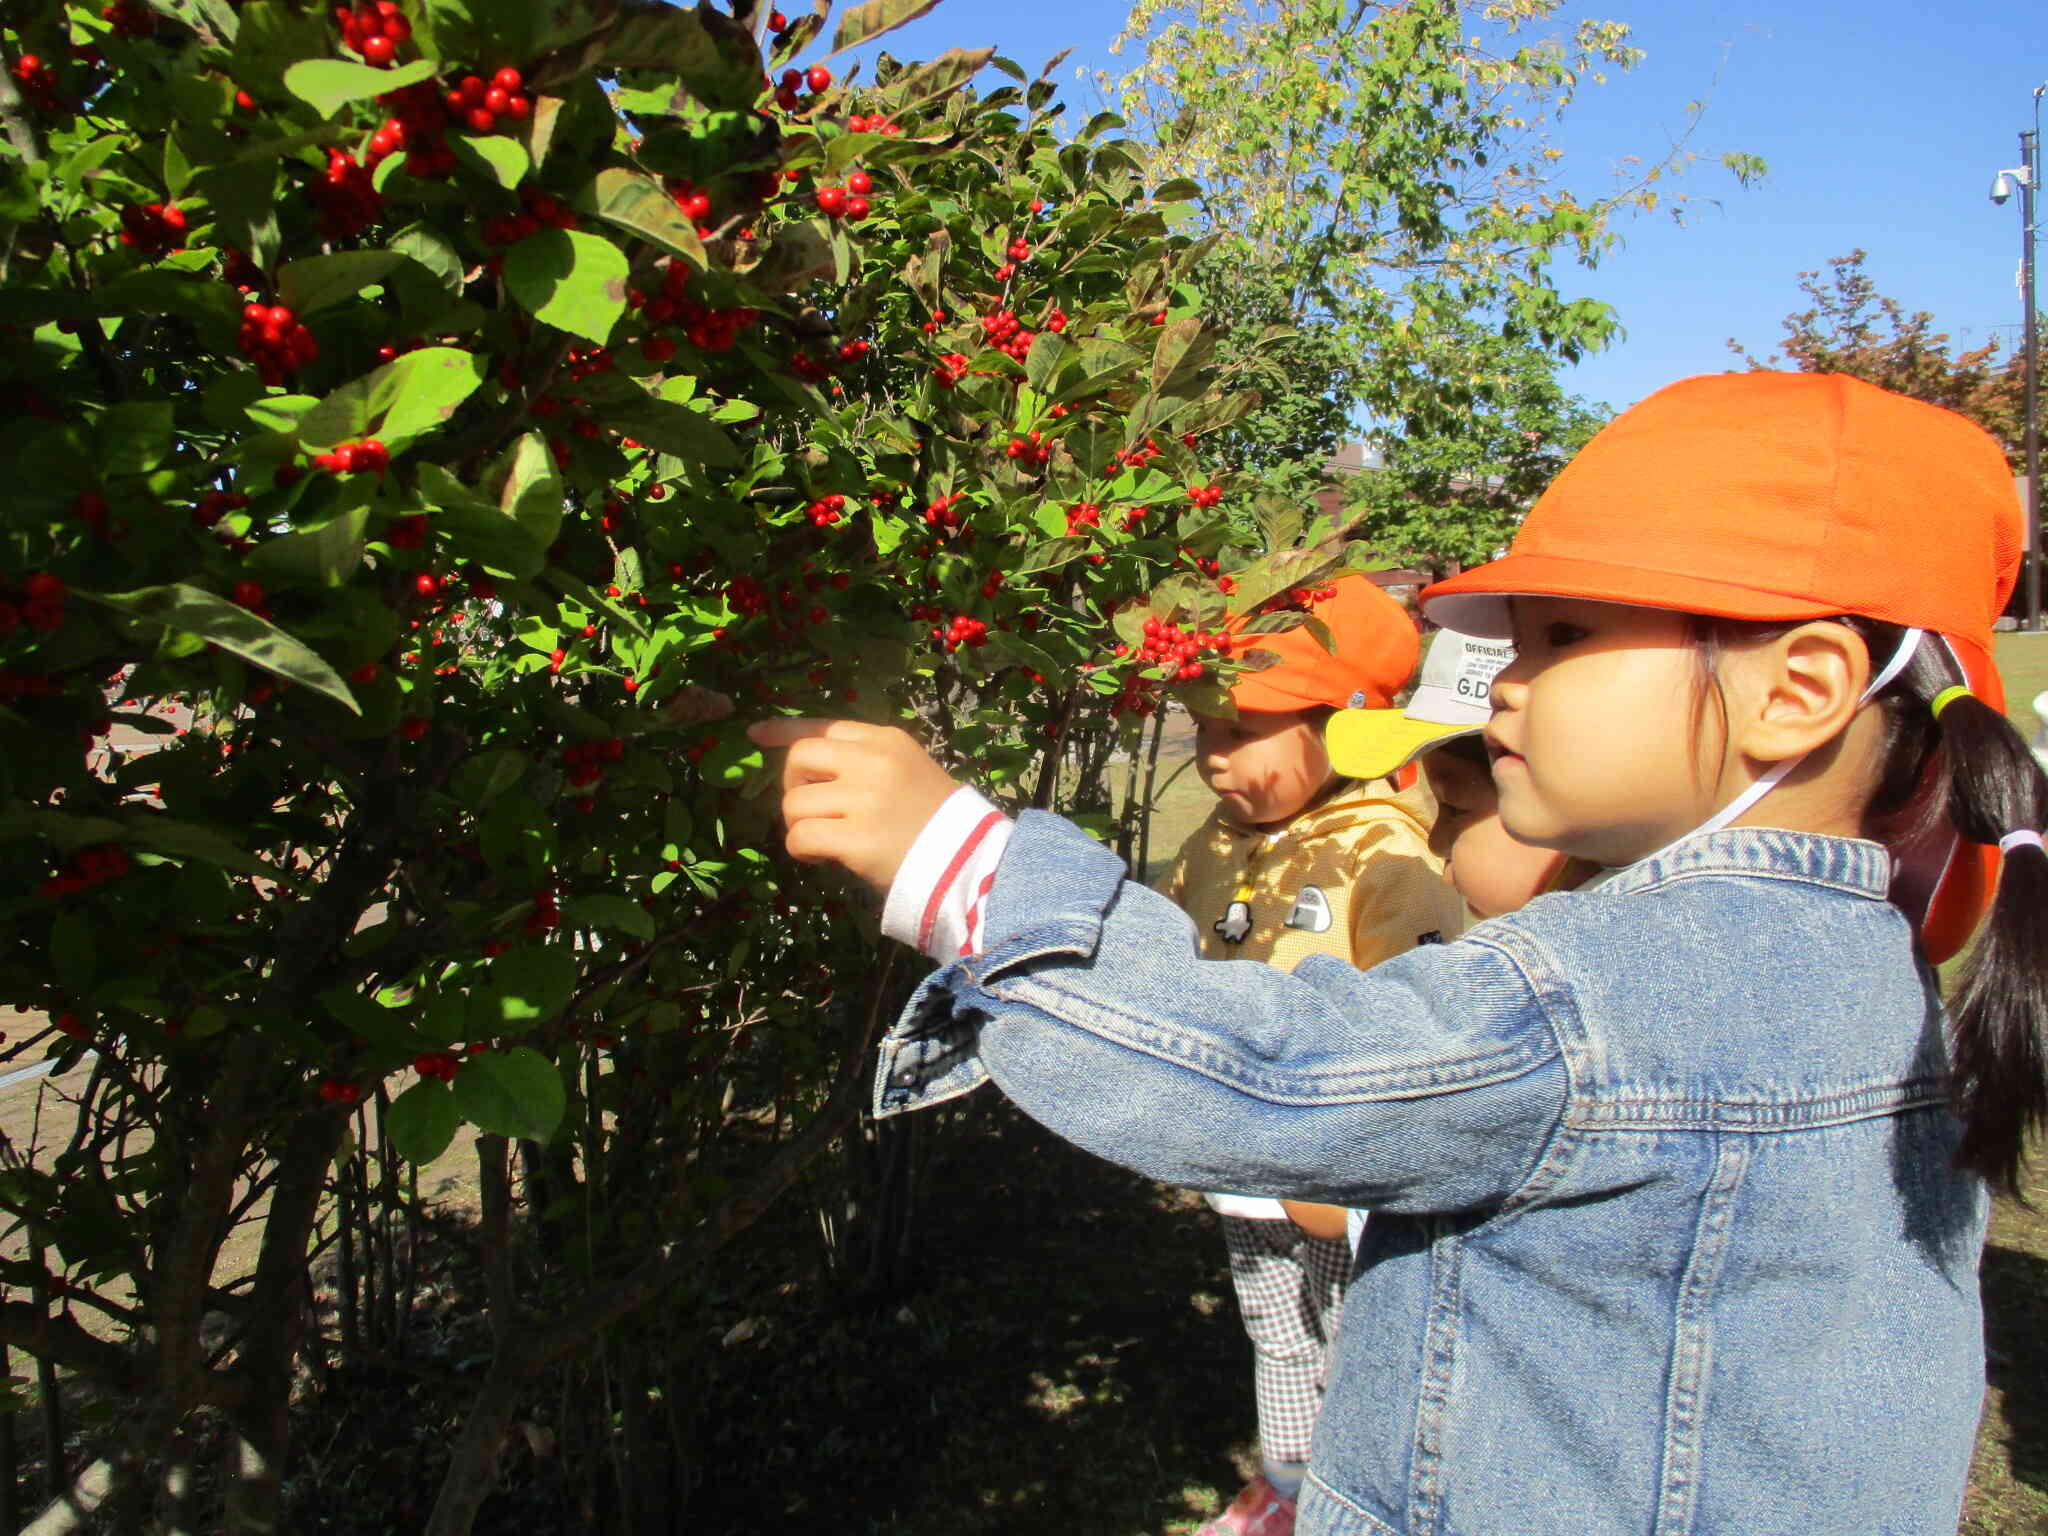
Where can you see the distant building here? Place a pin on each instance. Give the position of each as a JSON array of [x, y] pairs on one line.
[[1356, 459]]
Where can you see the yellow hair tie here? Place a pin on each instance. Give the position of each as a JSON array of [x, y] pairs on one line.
[[1948, 696]]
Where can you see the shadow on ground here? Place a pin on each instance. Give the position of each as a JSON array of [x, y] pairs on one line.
[[2016, 1355], [1066, 1358]]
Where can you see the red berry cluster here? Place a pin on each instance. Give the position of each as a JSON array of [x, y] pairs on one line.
[[339, 1090], [273, 339], [1030, 452], [151, 229], [90, 508], [826, 510], [1179, 651], [1299, 598], [1056, 320], [586, 760], [212, 506], [250, 595], [38, 83], [746, 597], [952, 369], [1205, 565], [42, 604], [440, 1065], [538, 210], [1139, 457], [817, 77], [972, 633], [694, 204], [347, 195], [408, 532], [875, 123], [373, 31], [87, 868], [355, 458], [943, 513], [843, 202], [419, 126], [479, 103], [392, 351], [1084, 515], [545, 914], [69, 1023], [129, 18], [1205, 495], [1006, 333], [707, 329], [1019, 249], [931, 326]]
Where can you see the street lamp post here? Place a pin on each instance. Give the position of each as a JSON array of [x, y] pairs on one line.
[[2027, 175]]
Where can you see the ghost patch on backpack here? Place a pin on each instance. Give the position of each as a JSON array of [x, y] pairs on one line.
[[1311, 910]]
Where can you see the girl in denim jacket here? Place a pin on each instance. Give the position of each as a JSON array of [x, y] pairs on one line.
[[1679, 1180]]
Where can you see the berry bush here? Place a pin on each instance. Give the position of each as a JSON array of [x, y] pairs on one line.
[[436, 425]]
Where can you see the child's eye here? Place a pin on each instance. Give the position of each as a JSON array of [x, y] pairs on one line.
[[1558, 634]]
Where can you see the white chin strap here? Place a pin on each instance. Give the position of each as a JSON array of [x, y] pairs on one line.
[[1908, 644]]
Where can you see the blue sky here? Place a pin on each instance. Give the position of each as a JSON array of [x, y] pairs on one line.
[[1883, 123]]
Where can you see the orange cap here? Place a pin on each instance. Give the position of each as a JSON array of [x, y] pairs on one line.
[[1374, 649], [1770, 496], [1785, 496]]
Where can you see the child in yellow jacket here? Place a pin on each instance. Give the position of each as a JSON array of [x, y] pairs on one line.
[[1296, 861]]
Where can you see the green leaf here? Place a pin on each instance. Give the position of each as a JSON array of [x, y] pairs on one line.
[[528, 986], [191, 840], [314, 283], [234, 629], [529, 491], [942, 76], [714, 56], [73, 955], [502, 159], [730, 761], [863, 23], [676, 429], [511, 1093], [400, 403], [1042, 363], [328, 85], [1183, 347], [1052, 553], [622, 914], [430, 248], [574, 281], [133, 439], [516, 836], [325, 556], [423, 1120], [636, 201]]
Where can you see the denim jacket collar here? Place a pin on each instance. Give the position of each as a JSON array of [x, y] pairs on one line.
[[1851, 864]]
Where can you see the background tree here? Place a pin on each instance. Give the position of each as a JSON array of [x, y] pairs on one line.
[[1383, 174], [1454, 497], [1850, 327]]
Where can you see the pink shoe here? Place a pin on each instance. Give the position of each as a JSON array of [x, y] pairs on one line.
[[1258, 1510]]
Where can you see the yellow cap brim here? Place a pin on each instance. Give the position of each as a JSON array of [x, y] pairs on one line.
[[1372, 743]]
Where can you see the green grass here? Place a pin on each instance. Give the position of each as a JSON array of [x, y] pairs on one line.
[[2023, 661]]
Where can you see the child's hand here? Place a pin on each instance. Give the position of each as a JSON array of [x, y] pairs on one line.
[[853, 794]]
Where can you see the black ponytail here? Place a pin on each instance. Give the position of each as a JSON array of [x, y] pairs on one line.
[[1971, 768], [2000, 1001], [1969, 765]]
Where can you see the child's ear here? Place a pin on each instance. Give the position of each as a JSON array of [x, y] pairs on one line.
[[1805, 689]]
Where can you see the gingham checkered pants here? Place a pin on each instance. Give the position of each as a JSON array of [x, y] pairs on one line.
[[1290, 1292]]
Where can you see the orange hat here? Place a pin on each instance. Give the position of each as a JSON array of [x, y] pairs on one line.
[[1374, 649], [1770, 496], [1782, 496]]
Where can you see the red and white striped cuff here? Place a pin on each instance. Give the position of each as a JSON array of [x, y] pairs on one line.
[[941, 890]]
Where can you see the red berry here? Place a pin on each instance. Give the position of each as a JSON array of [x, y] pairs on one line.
[[831, 201], [860, 181], [818, 78], [509, 80], [378, 50]]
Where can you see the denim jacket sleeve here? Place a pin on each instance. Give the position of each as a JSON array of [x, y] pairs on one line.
[[1432, 1082]]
